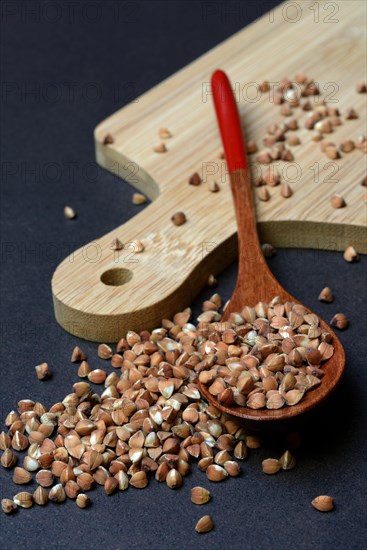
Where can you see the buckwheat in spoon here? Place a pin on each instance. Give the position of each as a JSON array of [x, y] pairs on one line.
[[290, 360]]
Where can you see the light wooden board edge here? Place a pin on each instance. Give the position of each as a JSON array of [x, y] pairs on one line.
[[280, 233]]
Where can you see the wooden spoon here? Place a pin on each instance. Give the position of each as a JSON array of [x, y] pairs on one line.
[[255, 282]]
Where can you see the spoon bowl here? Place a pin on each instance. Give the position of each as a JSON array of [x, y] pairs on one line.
[[255, 282], [333, 370]]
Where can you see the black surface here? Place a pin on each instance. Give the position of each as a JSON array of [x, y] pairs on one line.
[[51, 132]]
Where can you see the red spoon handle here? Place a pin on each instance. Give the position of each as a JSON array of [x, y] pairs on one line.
[[229, 122]]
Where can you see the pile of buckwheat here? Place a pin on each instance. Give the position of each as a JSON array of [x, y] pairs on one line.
[[151, 422]]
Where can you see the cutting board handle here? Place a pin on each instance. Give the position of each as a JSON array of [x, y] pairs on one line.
[[100, 293]]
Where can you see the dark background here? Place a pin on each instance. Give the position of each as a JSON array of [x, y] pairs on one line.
[[62, 72]]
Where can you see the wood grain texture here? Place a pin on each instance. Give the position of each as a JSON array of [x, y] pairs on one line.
[[177, 260]]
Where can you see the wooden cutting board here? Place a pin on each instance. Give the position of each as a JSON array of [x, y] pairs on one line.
[[101, 293]]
